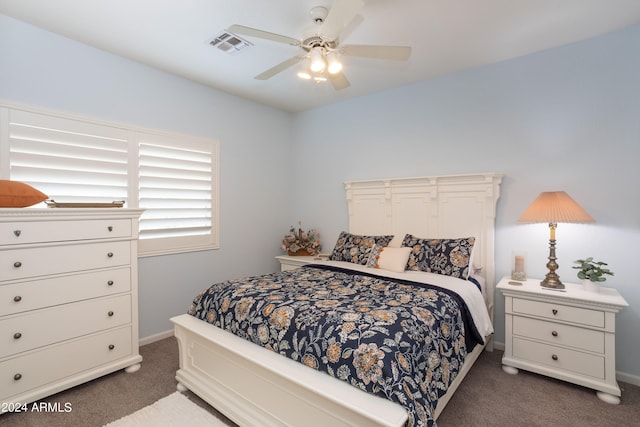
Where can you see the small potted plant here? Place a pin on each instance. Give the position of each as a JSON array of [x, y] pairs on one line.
[[592, 273]]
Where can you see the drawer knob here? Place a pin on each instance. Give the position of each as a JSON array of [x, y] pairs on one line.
[[554, 357], [17, 232], [17, 336], [17, 298], [110, 283], [17, 264], [110, 228], [110, 254], [111, 346], [554, 333], [110, 314], [17, 377], [554, 311]]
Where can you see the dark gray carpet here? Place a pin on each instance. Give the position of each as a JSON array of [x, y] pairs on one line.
[[488, 397]]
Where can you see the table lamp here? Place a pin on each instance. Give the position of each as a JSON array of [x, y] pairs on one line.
[[554, 207]]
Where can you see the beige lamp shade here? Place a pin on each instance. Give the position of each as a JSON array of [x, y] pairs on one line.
[[555, 207]]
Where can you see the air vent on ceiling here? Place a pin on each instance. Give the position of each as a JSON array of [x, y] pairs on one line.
[[229, 42]]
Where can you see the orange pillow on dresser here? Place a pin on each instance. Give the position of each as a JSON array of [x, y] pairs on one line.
[[14, 194]]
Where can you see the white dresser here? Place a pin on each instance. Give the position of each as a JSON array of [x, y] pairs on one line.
[[68, 298], [568, 334]]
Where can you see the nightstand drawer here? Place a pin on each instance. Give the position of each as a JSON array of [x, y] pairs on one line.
[[559, 312], [557, 333], [292, 262], [559, 358], [16, 233]]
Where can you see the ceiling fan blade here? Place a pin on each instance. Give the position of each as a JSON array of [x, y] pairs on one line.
[[396, 53], [339, 81], [279, 68], [253, 32], [340, 15]]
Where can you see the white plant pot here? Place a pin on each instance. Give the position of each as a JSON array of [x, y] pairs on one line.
[[591, 286]]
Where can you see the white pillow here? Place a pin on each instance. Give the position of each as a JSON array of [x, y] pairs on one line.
[[393, 259]]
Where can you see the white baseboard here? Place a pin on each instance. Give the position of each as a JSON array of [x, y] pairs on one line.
[[628, 378], [155, 337]]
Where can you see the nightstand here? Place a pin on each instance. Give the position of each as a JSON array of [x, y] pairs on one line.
[[292, 262], [565, 334]]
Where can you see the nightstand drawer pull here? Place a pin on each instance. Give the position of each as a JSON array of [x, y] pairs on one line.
[[17, 232], [110, 228], [17, 298], [17, 336], [554, 311], [110, 254], [111, 346], [554, 357], [554, 333], [110, 314], [17, 377], [17, 264], [110, 283]]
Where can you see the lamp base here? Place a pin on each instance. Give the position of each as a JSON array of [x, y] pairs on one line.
[[552, 281]]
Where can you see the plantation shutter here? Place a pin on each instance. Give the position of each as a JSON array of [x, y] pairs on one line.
[[74, 160], [176, 189], [69, 160]]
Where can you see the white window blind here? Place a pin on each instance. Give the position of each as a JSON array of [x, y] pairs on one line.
[[173, 177], [176, 189], [68, 160]]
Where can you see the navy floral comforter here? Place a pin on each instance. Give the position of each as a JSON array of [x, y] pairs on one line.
[[401, 340]]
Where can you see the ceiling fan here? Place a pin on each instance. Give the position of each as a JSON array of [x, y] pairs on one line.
[[321, 45]]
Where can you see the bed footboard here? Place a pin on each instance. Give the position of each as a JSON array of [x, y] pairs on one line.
[[254, 386]]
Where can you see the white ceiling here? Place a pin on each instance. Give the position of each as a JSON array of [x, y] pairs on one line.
[[445, 35]]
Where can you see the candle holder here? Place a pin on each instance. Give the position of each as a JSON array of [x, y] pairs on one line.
[[518, 266]]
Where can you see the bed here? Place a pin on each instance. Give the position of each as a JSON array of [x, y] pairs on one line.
[[368, 366]]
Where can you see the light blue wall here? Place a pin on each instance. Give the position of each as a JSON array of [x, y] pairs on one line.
[[563, 119], [41, 69]]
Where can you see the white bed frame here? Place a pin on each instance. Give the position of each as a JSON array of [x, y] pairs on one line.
[[253, 386]]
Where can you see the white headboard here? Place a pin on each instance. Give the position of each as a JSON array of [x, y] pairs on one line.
[[431, 207]]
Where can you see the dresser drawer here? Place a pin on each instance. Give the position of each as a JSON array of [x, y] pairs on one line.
[[560, 358], [37, 369], [25, 296], [16, 233], [42, 261], [560, 334], [559, 312], [48, 326]]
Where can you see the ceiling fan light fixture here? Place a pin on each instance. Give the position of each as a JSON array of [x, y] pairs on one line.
[[317, 60], [334, 65], [304, 74]]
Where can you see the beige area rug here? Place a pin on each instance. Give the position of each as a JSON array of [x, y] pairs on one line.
[[175, 410]]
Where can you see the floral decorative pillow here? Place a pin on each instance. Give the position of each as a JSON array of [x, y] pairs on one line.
[[374, 256], [355, 248], [451, 257]]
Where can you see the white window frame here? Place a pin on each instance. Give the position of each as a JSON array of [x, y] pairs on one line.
[[205, 239]]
